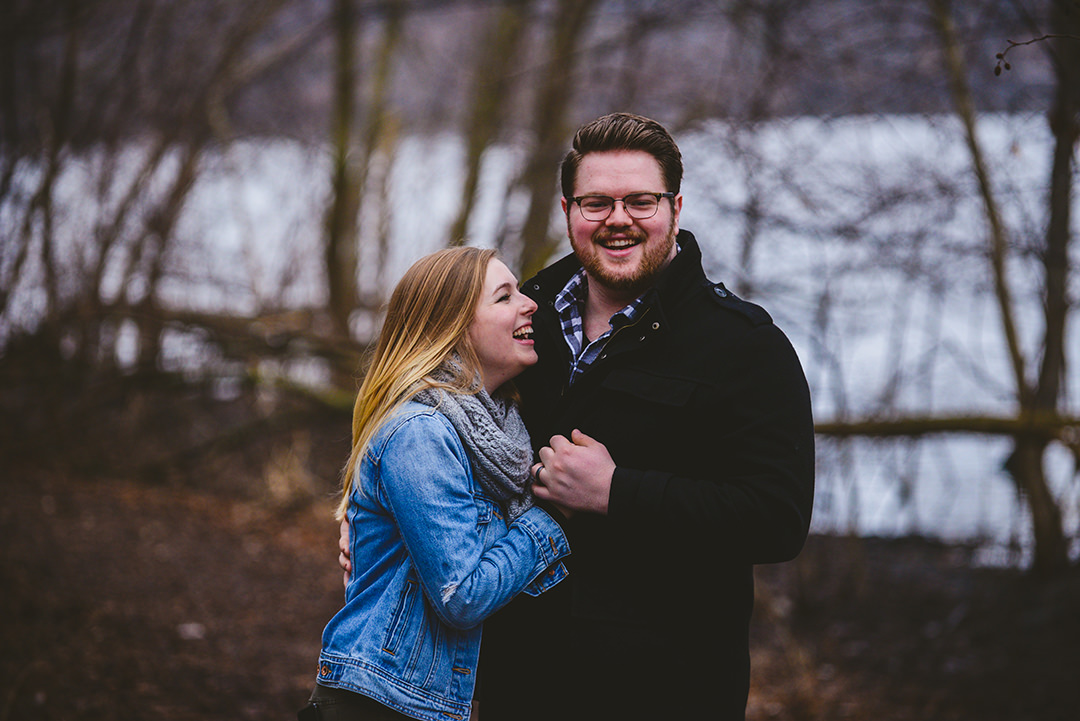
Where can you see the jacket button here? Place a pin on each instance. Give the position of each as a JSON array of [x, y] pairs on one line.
[[324, 670], [656, 326], [720, 292]]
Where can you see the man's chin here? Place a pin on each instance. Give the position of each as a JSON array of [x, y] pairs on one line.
[[623, 282]]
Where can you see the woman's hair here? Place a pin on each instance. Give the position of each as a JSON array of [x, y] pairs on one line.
[[624, 131], [427, 319]]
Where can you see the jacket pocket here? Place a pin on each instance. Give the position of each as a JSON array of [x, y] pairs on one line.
[[664, 390], [485, 509], [399, 622], [490, 524]]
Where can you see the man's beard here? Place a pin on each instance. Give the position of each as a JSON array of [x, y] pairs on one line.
[[653, 260]]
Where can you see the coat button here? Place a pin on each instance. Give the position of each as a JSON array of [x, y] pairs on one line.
[[656, 326], [721, 292]]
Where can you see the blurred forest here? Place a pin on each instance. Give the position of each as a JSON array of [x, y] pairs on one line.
[[173, 420]]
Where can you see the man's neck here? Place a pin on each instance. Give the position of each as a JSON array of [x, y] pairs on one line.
[[601, 303]]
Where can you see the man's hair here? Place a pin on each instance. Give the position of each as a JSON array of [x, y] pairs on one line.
[[427, 319], [624, 131]]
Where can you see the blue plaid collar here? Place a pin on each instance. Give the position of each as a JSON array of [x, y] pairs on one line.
[[570, 306]]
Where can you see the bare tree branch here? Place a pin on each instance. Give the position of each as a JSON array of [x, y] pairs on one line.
[[1046, 426], [1002, 63]]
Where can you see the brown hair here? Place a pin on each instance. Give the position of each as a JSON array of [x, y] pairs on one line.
[[624, 131], [427, 319]]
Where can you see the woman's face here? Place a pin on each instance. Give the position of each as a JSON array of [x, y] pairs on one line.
[[501, 331]]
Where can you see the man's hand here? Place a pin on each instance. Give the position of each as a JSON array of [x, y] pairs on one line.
[[343, 558], [575, 473]]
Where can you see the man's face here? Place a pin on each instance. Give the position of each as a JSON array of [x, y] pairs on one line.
[[622, 253]]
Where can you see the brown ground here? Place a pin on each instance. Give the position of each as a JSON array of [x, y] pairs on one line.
[[154, 568]]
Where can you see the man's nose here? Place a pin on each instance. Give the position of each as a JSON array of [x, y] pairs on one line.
[[618, 214]]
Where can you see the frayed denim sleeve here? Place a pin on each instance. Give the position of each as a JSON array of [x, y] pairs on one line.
[[425, 475]]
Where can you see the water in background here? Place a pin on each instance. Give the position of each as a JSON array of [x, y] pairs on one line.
[[854, 253]]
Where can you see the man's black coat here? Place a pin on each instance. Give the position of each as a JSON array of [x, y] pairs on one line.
[[705, 410]]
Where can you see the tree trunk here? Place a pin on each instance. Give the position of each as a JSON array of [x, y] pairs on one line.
[[352, 160], [1026, 462], [57, 138], [345, 200], [153, 247], [10, 141], [540, 177], [380, 135], [1065, 125], [1026, 466], [1064, 119], [489, 99]]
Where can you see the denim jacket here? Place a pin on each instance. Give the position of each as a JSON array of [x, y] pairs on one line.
[[432, 558]]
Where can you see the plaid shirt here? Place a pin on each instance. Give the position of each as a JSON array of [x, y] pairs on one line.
[[570, 305]]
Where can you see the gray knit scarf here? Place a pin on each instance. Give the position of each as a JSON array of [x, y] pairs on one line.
[[494, 436]]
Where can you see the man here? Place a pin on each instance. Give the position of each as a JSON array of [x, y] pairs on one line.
[[673, 420]]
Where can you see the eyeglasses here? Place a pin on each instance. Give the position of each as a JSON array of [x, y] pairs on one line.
[[637, 205]]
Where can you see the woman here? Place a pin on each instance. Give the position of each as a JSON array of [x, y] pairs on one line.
[[442, 528]]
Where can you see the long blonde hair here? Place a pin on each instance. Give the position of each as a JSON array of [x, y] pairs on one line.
[[427, 319]]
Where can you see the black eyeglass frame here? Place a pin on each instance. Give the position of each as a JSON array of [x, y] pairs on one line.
[[577, 199]]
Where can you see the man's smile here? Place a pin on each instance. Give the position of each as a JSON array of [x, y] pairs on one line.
[[621, 240]]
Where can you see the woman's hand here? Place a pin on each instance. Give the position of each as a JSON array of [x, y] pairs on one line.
[[535, 471], [343, 558]]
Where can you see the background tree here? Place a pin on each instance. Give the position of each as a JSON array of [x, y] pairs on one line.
[[490, 100], [346, 187], [1041, 396], [161, 109], [204, 204], [550, 127]]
